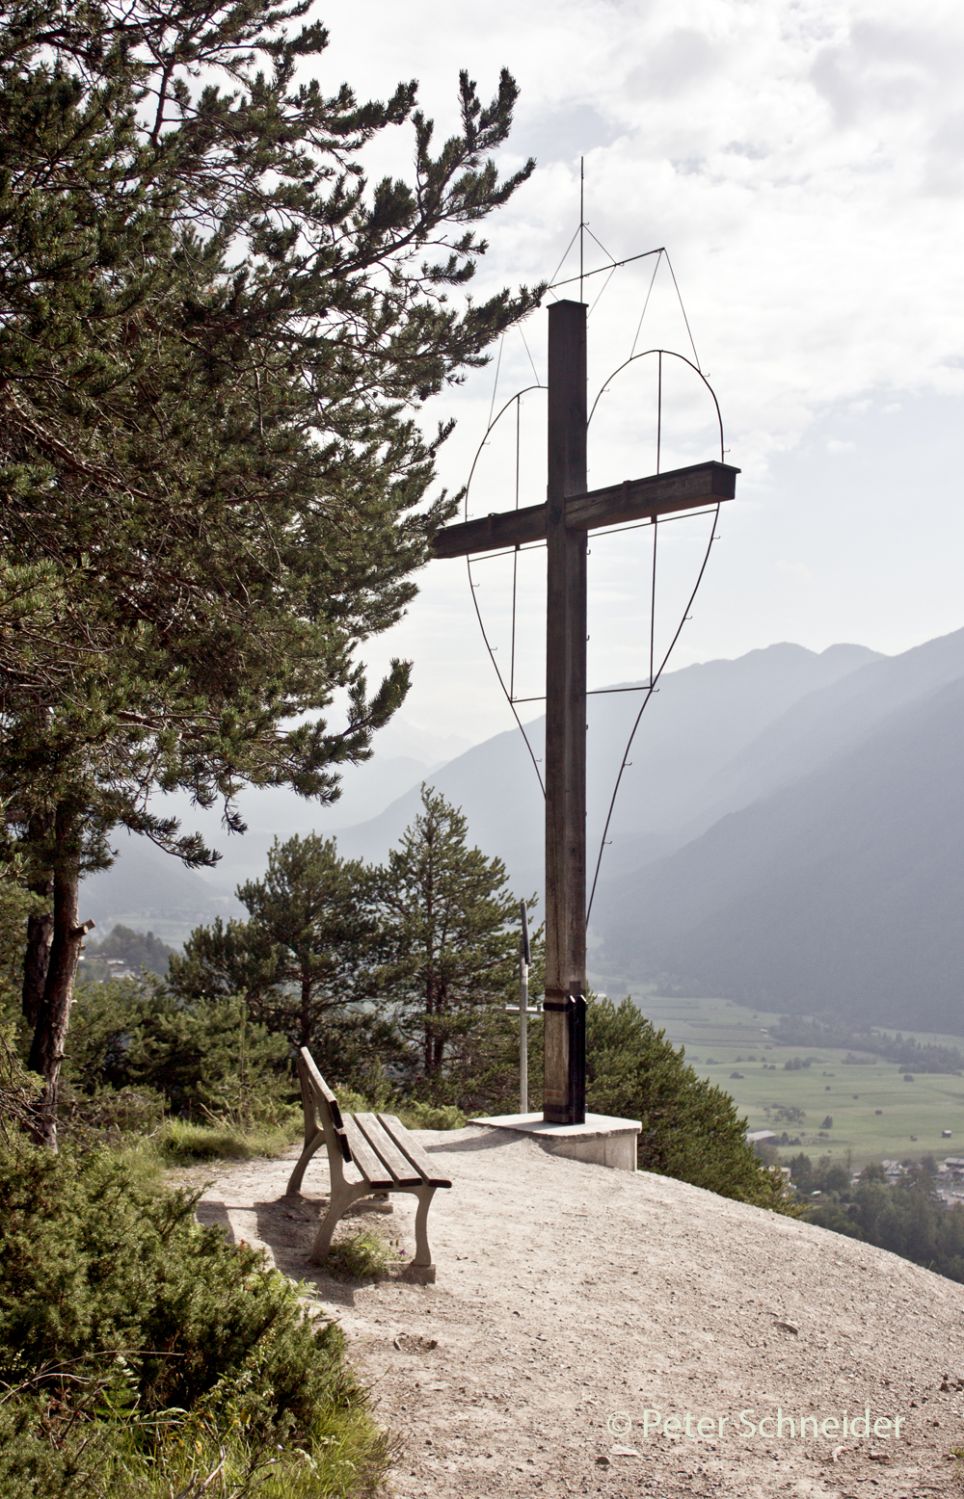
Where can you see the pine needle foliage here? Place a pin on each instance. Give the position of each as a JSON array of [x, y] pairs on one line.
[[141, 1353], [304, 960], [450, 930], [691, 1129], [218, 333]]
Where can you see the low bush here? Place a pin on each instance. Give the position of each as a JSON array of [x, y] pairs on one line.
[[19, 1089], [204, 1058], [141, 1354], [364, 1255]]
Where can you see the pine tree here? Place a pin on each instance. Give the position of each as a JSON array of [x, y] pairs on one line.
[[304, 961], [450, 924], [217, 337]]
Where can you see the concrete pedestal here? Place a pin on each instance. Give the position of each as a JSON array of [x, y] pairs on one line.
[[602, 1140]]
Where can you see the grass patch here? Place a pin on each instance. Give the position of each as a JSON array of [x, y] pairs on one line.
[[190, 1455], [364, 1255], [416, 1115], [181, 1143]]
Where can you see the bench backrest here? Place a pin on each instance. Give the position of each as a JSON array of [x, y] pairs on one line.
[[321, 1101]]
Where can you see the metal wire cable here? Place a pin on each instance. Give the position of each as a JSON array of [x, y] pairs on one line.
[[654, 677], [473, 586], [495, 382], [600, 244], [642, 708], [649, 293], [552, 279], [515, 553], [600, 293], [683, 311], [529, 352], [600, 270]]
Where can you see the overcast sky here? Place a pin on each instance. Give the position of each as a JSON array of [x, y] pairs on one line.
[[804, 164]]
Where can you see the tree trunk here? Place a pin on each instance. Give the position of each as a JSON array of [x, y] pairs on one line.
[[428, 1031], [67, 940], [40, 934], [304, 1018], [40, 927]]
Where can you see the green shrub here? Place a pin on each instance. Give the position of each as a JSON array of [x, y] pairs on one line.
[[109, 1116], [19, 1089], [413, 1112], [204, 1058], [135, 1344], [418, 1115], [690, 1128], [361, 1256]]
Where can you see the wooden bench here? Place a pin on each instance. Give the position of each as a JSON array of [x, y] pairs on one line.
[[383, 1153]]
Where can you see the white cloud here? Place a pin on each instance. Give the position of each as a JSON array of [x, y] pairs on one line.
[[801, 159]]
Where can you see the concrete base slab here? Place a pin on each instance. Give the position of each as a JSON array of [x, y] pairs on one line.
[[602, 1140]]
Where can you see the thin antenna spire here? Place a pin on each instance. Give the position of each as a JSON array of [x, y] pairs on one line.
[[582, 219]]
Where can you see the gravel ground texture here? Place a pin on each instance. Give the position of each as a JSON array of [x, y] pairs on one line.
[[598, 1332]]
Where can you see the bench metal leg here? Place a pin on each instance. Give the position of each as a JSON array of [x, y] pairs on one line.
[[297, 1175], [341, 1199], [421, 1267]]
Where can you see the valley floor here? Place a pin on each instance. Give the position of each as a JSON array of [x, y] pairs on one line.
[[573, 1303]]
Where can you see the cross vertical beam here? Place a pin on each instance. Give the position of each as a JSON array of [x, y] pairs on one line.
[[564, 1090], [564, 522]]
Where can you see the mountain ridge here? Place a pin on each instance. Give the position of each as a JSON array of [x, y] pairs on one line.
[[786, 833], [838, 891]]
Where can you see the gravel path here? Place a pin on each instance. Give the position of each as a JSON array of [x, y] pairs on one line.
[[574, 1303]]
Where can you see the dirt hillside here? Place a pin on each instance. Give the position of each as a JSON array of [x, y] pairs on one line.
[[594, 1332]]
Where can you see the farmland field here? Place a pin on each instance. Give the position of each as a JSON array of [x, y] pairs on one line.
[[875, 1113]]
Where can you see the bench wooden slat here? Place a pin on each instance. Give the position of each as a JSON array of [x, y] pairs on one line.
[[387, 1151], [323, 1095], [382, 1152], [423, 1163], [311, 1067], [365, 1158]]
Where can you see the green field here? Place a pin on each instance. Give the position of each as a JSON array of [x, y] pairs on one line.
[[722, 1037]]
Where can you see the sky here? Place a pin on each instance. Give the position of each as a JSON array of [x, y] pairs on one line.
[[803, 164]]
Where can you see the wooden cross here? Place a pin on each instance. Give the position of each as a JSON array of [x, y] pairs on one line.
[[564, 523]]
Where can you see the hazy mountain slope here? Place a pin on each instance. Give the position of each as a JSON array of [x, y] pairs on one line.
[[706, 716], [702, 716], [146, 887], [843, 891], [149, 890], [835, 717]]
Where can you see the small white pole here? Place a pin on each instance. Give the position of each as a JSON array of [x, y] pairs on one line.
[[524, 1012], [524, 1009]]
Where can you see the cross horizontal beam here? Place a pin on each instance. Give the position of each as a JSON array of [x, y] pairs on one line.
[[635, 499]]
